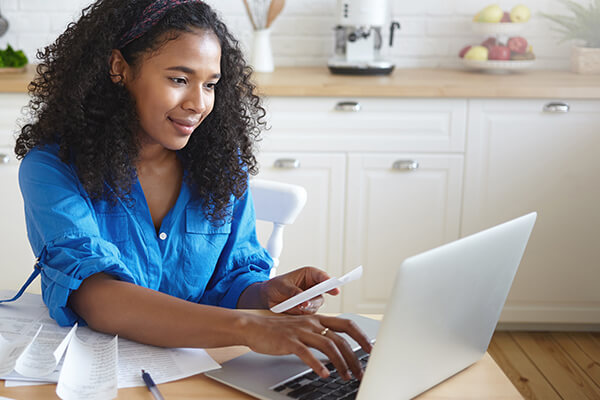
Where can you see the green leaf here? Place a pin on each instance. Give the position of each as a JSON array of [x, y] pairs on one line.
[[583, 25], [9, 58]]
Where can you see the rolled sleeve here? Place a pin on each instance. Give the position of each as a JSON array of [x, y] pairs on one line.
[[66, 262], [248, 272], [63, 230]]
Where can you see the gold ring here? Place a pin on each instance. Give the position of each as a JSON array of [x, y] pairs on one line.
[[324, 331]]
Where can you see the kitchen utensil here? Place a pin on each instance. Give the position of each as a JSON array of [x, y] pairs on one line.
[[3, 24], [258, 11], [274, 10], [249, 11]]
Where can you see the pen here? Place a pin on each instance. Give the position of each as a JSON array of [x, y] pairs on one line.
[[151, 386]]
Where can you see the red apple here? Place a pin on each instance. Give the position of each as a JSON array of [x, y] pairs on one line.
[[462, 53], [517, 44], [489, 42], [506, 17], [499, 53]]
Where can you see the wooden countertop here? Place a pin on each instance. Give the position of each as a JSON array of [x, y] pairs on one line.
[[422, 82], [16, 82], [317, 81]]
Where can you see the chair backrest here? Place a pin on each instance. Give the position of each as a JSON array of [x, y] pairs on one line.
[[280, 204]]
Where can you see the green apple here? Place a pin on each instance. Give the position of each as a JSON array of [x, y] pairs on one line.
[[492, 13], [520, 13], [479, 53]]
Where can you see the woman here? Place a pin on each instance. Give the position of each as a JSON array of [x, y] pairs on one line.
[[134, 177]]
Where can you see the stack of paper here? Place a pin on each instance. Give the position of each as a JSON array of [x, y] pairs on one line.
[[94, 365]]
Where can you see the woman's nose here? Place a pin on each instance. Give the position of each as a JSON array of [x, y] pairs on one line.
[[196, 101]]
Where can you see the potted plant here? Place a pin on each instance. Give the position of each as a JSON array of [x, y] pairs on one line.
[[583, 27]]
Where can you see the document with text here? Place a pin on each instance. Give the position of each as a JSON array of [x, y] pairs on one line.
[[84, 363]]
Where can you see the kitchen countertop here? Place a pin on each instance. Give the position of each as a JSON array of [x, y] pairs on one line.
[[417, 82]]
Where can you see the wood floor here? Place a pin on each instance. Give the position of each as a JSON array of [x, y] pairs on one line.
[[550, 365]]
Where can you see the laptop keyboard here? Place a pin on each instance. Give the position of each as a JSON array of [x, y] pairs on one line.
[[311, 387]]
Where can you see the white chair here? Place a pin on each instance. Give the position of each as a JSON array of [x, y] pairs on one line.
[[280, 204]]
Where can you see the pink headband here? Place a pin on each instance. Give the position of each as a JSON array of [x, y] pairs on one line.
[[150, 17]]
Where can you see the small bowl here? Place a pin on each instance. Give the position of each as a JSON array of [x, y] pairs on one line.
[[498, 65]]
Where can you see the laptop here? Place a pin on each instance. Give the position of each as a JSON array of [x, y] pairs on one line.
[[439, 320]]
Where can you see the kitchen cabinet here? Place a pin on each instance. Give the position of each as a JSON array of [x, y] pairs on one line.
[[16, 257], [540, 155], [480, 162], [392, 186], [316, 237], [398, 205]]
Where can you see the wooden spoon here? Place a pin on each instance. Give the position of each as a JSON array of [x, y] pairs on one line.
[[249, 14], [274, 10]]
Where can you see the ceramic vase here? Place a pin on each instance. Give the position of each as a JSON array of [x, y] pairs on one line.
[[262, 54]]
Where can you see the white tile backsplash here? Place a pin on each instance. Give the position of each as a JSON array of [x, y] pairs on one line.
[[432, 33]]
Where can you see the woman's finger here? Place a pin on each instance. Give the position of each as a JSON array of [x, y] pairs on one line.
[[309, 359], [312, 306], [326, 345], [349, 327], [348, 354], [315, 276]]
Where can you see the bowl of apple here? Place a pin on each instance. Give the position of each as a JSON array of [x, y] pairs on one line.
[[494, 55]]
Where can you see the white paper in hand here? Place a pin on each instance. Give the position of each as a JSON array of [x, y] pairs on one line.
[[317, 290]]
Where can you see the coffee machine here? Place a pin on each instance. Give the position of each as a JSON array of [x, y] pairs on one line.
[[358, 38]]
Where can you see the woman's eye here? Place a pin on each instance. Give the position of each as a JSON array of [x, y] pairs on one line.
[[179, 81], [211, 86]]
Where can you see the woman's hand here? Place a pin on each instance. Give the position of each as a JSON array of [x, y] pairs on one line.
[[284, 286], [280, 335]]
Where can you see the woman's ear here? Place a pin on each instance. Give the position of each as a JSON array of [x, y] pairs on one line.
[[118, 67]]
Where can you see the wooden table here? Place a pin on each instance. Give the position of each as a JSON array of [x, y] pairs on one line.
[[482, 380]]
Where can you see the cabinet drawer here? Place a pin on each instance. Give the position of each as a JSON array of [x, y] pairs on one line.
[[365, 124], [10, 114]]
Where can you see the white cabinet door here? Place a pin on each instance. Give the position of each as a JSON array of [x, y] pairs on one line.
[[316, 237], [16, 258], [393, 213], [521, 159]]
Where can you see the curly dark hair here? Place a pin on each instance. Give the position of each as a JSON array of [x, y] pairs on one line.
[[93, 120]]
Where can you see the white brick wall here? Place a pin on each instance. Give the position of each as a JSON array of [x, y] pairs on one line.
[[433, 31]]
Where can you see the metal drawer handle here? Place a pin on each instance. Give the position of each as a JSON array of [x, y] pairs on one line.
[[287, 163], [556, 107], [405, 165], [348, 106], [4, 158]]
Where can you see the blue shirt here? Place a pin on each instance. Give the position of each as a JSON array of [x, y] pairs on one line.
[[75, 237]]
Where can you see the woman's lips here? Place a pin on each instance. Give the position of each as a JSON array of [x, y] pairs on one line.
[[184, 127]]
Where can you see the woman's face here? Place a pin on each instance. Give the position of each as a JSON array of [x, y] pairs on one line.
[[174, 88]]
